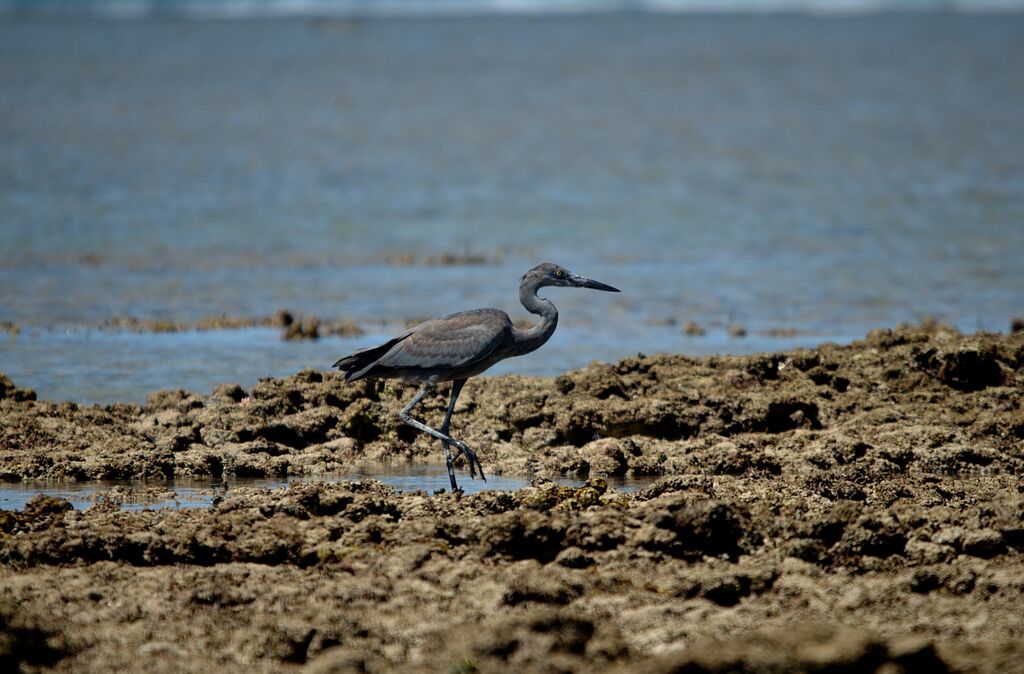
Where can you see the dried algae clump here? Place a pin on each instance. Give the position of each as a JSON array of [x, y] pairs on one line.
[[547, 495]]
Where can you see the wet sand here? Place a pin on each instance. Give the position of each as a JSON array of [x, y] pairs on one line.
[[852, 507]]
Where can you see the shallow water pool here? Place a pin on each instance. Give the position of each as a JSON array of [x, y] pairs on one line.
[[197, 493]]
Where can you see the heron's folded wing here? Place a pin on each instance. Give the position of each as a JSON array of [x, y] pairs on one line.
[[458, 340]]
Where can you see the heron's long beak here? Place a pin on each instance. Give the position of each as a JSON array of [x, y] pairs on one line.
[[581, 282]]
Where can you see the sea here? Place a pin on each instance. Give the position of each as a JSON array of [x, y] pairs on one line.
[[770, 174]]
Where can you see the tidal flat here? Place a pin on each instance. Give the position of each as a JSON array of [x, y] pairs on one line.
[[850, 506]]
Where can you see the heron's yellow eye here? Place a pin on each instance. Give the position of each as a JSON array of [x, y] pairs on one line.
[[559, 273]]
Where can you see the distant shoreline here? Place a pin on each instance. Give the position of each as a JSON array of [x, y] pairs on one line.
[[389, 9]]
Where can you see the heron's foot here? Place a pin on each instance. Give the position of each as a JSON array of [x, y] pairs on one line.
[[471, 459]]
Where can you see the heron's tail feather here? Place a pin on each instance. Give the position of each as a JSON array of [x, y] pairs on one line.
[[359, 363]]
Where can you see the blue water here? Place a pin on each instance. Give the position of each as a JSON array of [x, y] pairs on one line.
[[820, 175]]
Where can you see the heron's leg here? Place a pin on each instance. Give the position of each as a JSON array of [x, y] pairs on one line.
[[406, 418], [456, 387], [471, 460]]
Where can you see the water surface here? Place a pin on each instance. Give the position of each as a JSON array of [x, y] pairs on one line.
[[820, 175], [194, 493]]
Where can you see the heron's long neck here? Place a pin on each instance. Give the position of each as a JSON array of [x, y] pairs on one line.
[[528, 340]]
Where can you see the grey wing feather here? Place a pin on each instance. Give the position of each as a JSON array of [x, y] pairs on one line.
[[359, 363], [458, 340]]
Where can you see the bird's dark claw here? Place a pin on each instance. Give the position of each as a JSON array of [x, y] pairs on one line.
[[471, 460]]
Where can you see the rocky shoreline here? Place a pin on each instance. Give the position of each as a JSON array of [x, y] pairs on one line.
[[855, 507]]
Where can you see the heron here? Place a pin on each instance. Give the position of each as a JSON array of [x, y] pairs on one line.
[[459, 346]]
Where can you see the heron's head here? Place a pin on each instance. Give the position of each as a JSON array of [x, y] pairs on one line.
[[548, 274]]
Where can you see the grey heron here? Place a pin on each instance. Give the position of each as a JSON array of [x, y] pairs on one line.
[[458, 346]]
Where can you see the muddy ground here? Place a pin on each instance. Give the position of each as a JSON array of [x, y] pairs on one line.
[[852, 508]]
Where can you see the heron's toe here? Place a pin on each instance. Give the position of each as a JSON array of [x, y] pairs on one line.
[[472, 462], [475, 465]]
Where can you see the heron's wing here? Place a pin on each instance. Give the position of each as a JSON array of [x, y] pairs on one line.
[[458, 340]]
